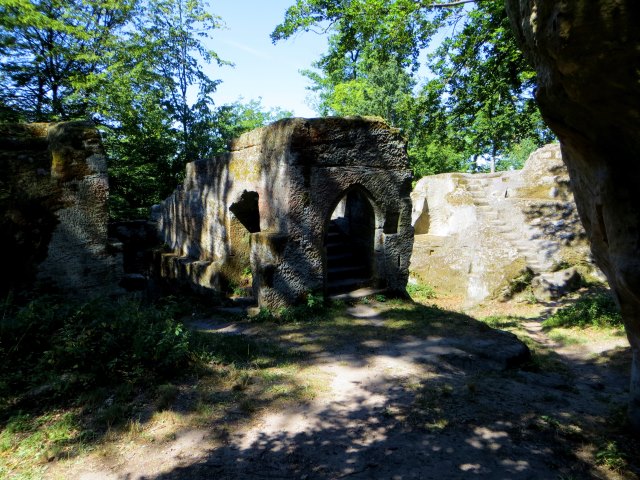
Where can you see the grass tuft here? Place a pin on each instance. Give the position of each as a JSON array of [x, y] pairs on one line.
[[597, 310]]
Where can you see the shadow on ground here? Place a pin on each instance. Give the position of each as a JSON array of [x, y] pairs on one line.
[[413, 392], [463, 410]]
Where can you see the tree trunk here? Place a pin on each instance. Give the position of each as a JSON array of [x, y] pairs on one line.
[[586, 54], [493, 159]]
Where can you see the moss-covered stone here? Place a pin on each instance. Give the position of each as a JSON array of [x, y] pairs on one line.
[[53, 216]]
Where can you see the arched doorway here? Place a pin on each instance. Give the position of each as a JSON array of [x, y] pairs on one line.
[[349, 243]]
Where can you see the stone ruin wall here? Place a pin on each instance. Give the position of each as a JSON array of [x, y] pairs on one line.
[[289, 175], [476, 232], [53, 206], [264, 208]]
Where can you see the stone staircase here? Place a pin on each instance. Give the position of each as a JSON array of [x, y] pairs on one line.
[[347, 270], [527, 249]]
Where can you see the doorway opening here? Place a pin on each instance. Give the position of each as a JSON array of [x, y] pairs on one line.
[[349, 244]]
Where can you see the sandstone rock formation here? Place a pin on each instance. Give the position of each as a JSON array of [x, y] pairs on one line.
[[305, 205], [586, 54], [53, 209], [477, 232]]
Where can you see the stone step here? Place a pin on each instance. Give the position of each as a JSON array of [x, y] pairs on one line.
[[359, 293], [347, 285], [339, 248], [339, 257], [345, 272]]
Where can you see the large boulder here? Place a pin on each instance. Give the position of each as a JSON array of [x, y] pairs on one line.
[[553, 285], [586, 54]]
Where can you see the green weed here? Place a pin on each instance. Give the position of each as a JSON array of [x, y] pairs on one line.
[[420, 291], [312, 309], [521, 283], [501, 321], [611, 457], [594, 310]]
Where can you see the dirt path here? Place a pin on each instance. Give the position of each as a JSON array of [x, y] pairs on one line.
[[428, 408]]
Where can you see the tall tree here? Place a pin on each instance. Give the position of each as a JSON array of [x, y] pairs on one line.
[[48, 45], [172, 32], [476, 98], [363, 84], [155, 101]]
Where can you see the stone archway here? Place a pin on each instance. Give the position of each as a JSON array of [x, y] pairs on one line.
[[349, 243]]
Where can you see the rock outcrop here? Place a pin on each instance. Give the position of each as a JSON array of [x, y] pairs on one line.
[[304, 205], [476, 232], [53, 210], [586, 55]]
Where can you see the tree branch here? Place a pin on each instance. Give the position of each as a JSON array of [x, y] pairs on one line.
[[446, 5]]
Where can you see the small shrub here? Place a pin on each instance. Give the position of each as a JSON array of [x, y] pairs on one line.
[[421, 290], [314, 301], [166, 395], [502, 321], [595, 310], [611, 457]]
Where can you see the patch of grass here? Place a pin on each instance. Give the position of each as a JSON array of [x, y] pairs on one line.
[[70, 371], [611, 456], [597, 310], [420, 291], [566, 337], [564, 428], [85, 371], [313, 309], [239, 351], [501, 321], [166, 395], [545, 360], [29, 441], [432, 406]]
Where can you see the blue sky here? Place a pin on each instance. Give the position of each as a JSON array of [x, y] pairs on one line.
[[261, 68]]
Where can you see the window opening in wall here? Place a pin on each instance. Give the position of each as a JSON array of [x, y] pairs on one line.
[[246, 211], [391, 222], [349, 243]]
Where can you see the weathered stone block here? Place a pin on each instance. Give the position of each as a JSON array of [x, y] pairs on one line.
[[53, 201], [488, 228]]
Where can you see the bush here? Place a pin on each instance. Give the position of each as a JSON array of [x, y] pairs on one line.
[[66, 345], [594, 310]]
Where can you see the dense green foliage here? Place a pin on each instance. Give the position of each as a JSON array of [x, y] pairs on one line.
[[62, 347], [594, 310], [49, 48], [467, 100], [136, 67]]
